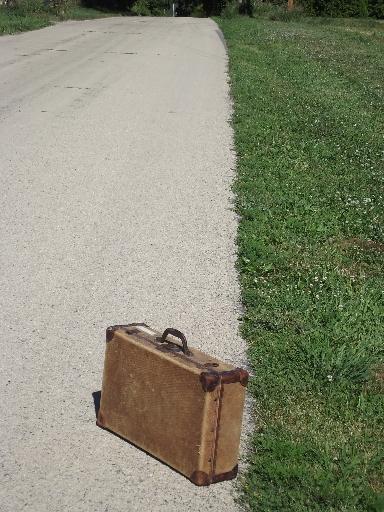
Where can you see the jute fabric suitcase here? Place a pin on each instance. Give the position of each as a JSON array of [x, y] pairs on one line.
[[175, 402]]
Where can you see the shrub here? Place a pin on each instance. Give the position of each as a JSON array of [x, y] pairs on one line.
[[337, 8], [198, 11], [158, 7], [141, 8], [158, 11], [26, 7], [276, 11], [376, 8], [214, 7], [61, 7], [264, 9], [285, 15], [230, 10]]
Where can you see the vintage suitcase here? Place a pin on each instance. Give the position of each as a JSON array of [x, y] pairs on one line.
[[175, 402]]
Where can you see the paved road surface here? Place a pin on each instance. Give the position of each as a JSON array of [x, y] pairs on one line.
[[115, 207]]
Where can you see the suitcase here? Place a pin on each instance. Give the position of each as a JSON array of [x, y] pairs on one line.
[[175, 402]]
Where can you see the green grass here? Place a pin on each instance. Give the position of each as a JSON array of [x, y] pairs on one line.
[[12, 21], [308, 121], [86, 13]]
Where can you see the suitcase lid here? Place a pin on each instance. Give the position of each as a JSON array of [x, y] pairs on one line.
[[211, 370]]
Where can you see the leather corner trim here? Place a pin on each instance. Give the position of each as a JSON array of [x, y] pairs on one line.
[[109, 333], [244, 377], [200, 478], [230, 475], [209, 380], [236, 375]]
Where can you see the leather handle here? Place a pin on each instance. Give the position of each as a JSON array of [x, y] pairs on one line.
[[177, 334]]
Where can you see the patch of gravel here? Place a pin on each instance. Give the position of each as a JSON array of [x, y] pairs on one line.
[[116, 207]]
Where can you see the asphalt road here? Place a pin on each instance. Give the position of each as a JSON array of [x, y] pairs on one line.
[[116, 168]]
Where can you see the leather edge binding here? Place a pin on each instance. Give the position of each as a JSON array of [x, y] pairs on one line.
[[236, 375], [100, 420], [110, 332], [210, 380], [230, 475]]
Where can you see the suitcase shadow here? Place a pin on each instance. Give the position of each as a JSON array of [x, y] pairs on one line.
[[96, 395]]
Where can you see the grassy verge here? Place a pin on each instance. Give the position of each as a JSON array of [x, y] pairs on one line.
[[12, 21], [86, 13], [308, 121]]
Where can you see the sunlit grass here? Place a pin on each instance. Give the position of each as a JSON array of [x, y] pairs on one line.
[[12, 21], [308, 120]]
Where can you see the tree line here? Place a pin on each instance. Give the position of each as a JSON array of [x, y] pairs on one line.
[[202, 8]]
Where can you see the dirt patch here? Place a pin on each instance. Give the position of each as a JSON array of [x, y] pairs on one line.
[[368, 245]]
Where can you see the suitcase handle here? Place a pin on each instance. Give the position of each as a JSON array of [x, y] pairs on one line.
[[177, 334]]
